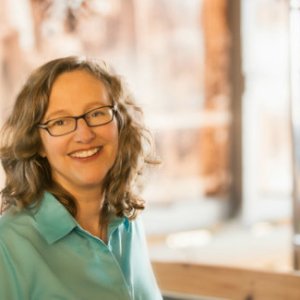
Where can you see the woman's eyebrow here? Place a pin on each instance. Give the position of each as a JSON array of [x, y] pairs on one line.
[[64, 112], [60, 112]]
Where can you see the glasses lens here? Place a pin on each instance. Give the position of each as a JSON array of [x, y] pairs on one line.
[[99, 116], [61, 126]]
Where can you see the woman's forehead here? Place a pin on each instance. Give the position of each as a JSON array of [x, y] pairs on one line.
[[77, 90]]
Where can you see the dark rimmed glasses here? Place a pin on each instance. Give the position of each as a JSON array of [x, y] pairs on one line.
[[96, 117]]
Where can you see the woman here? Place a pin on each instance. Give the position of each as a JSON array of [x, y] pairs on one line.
[[72, 150]]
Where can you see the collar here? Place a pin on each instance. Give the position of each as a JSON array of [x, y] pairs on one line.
[[53, 221]]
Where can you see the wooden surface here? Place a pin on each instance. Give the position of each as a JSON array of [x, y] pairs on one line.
[[226, 282]]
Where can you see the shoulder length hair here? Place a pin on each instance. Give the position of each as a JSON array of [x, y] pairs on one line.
[[28, 175]]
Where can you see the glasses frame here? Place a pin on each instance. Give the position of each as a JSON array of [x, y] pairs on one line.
[[76, 118]]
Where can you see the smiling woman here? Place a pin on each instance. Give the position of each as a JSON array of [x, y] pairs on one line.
[[83, 154], [72, 151]]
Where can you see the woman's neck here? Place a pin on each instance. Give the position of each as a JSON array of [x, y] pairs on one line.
[[88, 213]]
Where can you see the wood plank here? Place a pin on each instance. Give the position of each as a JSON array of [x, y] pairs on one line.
[[226, 282]]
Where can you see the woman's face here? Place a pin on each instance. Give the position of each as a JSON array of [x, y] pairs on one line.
[[81, 159]]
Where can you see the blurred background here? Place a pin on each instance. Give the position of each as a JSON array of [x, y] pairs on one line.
[[213, 77]]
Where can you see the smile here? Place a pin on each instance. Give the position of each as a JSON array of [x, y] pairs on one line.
[[85, 153]]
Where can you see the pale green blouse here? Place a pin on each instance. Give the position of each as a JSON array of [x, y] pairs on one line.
[[45, 254]]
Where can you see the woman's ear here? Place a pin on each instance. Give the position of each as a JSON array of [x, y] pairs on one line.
[[42, 153]]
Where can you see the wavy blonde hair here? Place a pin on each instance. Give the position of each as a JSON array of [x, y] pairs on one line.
[[28, 175]]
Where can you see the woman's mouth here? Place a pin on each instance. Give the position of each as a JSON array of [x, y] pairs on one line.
[[85, 153]]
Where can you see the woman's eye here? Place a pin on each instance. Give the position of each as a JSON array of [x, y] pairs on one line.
[[60, 122], [97, 113]]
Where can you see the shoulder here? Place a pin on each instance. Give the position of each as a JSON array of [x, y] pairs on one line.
[[137, 229], [9, 219], [138, 224], [131, 225], [13, 223], [127, 227]]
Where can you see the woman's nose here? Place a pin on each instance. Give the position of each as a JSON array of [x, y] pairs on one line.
[[83, 132]]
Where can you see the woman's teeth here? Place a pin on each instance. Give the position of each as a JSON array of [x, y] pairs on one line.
[[85, 154]]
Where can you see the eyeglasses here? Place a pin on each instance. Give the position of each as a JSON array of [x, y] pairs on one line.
[[95, 117]]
